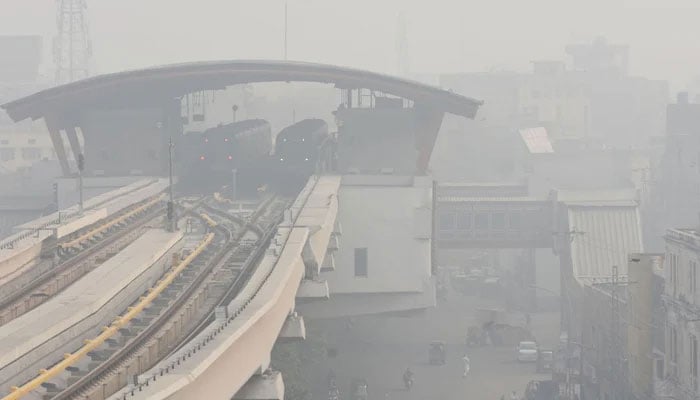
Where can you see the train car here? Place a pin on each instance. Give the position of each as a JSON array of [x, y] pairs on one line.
[[299, 151], [209, 158], [238, 144]]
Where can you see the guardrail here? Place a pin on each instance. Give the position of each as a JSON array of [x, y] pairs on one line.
[[92, 344]]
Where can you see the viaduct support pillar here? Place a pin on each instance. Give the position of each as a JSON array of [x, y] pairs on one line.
[[268, 386]]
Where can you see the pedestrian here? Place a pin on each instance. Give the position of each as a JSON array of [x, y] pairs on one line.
[[467, 365], [513, 396]]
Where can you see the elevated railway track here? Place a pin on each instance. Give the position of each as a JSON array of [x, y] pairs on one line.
[[179, 306], [77, 255]]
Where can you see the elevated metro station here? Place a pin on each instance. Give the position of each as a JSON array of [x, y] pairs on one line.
[[340, 248]]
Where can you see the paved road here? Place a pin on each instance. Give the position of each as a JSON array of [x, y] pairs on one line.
[[380, 348]]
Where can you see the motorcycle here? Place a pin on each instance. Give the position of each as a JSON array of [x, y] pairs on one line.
[[333, 394], [408, 382]]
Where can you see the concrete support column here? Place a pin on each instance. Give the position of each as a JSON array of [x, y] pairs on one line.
[[72, 134], [293, 329], [58, 145], [268, 386]]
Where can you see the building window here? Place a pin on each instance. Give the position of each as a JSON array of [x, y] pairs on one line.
[[361, 261], [673, 344], [31, 153], [31, 141], [498, 221], [464, 221], [4, 141], [693, 266], [447, 221], [481, 221], [7, 154], [694, 357], [673, 271], [514, 220], [660, 369]]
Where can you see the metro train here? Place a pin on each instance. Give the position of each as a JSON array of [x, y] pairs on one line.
[[206, 160], [300, 151]]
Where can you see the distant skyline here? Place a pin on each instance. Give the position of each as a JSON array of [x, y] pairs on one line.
[[443, 35]]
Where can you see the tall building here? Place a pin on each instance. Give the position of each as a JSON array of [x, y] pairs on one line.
[[592, 100], [675, 178], [682, 304]]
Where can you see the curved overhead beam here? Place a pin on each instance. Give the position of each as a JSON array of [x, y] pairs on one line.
[[153, 86]]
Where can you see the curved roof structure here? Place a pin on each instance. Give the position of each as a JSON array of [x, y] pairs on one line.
[[154, 86]]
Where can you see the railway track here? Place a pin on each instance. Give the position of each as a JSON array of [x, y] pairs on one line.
[[212, 279], [77, 256]]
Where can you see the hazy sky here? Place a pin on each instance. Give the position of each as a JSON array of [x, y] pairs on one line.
[[443, 35]]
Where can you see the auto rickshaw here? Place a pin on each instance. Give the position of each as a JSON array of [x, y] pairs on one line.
[[545, 360], [475, 336], [436, 355]]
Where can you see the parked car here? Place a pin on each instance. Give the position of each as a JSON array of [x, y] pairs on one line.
[[527, 351]]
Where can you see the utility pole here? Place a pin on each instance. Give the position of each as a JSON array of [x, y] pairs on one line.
[[234, 184], [81, 167], [171, 200], [285, 31], [615, 350]]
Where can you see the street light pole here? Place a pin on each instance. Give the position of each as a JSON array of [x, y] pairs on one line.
[[234, 183], [81, 167], [171, 200]]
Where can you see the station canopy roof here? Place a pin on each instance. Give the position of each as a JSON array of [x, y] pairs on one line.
[[155, 86]]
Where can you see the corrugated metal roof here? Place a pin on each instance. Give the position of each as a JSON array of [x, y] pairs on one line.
[[458, 199], [619, 197], [537, 140], [609, 234]]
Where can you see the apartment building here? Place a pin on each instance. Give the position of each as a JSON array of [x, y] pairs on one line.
[[682, 305]]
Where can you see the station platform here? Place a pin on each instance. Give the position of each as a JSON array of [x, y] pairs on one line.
[[21, 251], [40, 337]]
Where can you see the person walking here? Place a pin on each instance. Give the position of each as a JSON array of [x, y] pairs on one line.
[[467, 365], [513, 396]]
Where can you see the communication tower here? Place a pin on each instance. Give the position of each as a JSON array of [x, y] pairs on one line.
[[72, 48]]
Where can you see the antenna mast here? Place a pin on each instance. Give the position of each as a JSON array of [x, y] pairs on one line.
[[72, 48]]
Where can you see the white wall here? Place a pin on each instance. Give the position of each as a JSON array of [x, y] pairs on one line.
[[393, 221]]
